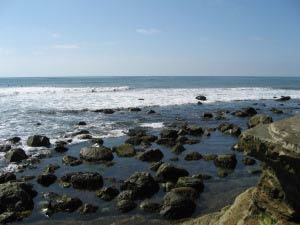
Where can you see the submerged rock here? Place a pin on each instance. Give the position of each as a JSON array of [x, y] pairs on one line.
[[38, 141], [192, 182], [259, 119], [230, 128], [96, 154], [71, 161], [245, 112], [178, 148], [192, 156], [46, 179], [84, 180], [142, 184]]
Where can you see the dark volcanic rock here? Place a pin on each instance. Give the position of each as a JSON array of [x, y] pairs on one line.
[[5, 177], [5, 147], [207, 115], [108, 193], [177, 206], [14, 140], [46, 179], [142, 184], [60, 147], [105, 111], [96, 154], [152, 155], [283, 98], [226, 161], [169, 172], [193, 156], [38, 141], [87, 180], [81, 123], [259, 119], [245, 112], [125, 150], [16, 155], [134, 109], [201, 98]]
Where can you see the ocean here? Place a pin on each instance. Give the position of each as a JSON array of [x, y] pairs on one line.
[[54, 106]]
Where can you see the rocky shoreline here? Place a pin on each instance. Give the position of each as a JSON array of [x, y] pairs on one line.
[[182, 187]]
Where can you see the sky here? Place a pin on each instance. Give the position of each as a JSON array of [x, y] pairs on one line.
[[149, 37]]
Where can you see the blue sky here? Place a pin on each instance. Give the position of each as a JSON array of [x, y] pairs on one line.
[[149, 37]]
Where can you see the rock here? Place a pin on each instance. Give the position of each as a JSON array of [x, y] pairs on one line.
[[8, 217], [84, 180], [134, 141], [259, 119], [154, 166], [81, 123], [210, 157], [283, 98], [177, 206], [105, 111], [5, 177], [142, 184], [51, 168], [166, 142], [277, 111], [223, 173], [186, 192], [126, 205], [191, 182], [98, 141], [5, 147], [169, 133], [125, 150], [16, 155], [150, 206], [127, 195], [207, 115], [182, 139], [201, 98], [134, 109], [169, 172], [168, 186], [192, 156], [152, 155], [194, 130], [84, 136], [16, 197], [108, 193], [46, 179], [149, 138], [88, 209], [14, 140], [38, 141], [71, 161], [138, 131], [60, 203], [202, 176], [230, 128], [178, 148], [96, 154], [192, 141], [60, 147], [225, 161], [245, 112], [249, 161], [151, 111]]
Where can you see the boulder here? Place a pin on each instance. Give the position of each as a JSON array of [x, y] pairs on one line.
[[169, 172], [259, 119], [98, 141], [283, 98], [225, 161], [88, 209], [51, 168], [134, 140], [142, 184], [248, 161], [125, 205], [8, 176], [230, 128], [46, 179], [107, 193], [152, 155], [84, 180], [71, 161], [38, 141], [207, 115], [154, 166], [166, 141], [178, 148], [169, 133], [177, 206], [201, 98], [192, 156], [96, 154], [14, 140], [194, 130], [192, 182], [81, 123], [16, 155], [150, 206], [5, 147], [245, 112], [125, 150]]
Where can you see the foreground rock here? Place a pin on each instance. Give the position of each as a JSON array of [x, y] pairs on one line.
[[107, 193], [16, 155], [96, 154], [259, 119], [5, 177], [16, 200], [142, 184], [38, 141], [275, 200]]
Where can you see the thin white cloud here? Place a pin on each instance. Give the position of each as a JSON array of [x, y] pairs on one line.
[[149, 31], [56, 35], [66, 46]]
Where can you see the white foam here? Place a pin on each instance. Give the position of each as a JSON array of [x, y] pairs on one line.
[[152, 125]]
